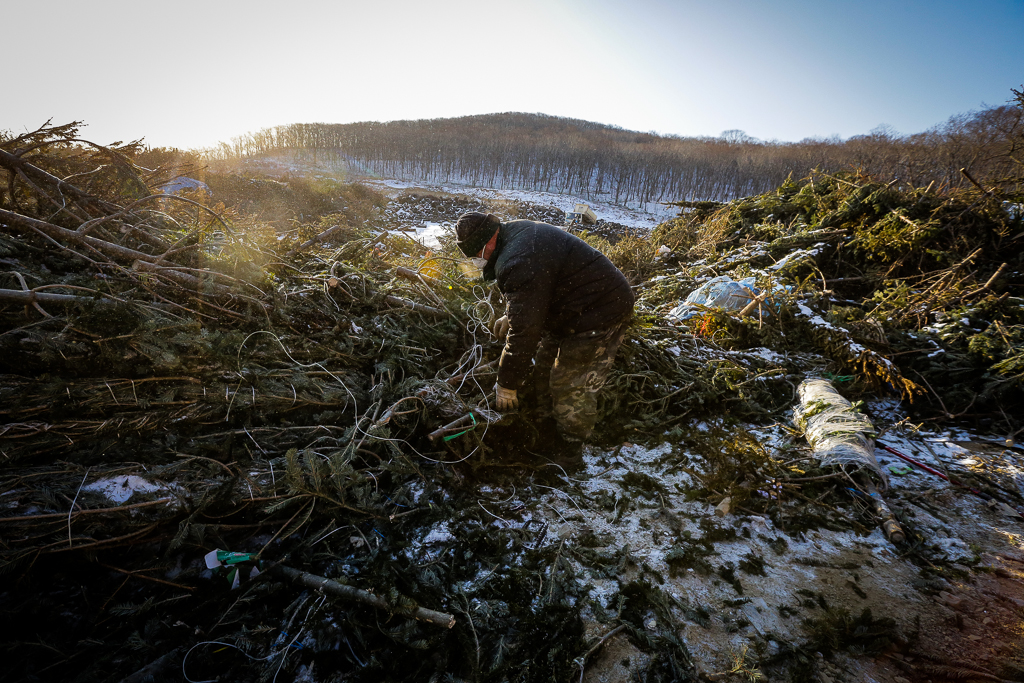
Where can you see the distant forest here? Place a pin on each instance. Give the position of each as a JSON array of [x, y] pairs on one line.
[[548, 153]]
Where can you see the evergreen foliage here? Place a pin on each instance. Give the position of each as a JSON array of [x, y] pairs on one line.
[[256, 356]]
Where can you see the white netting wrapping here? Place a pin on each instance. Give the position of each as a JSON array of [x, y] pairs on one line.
[[839, 434]]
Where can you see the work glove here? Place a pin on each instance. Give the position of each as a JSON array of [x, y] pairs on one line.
[[500, 328], [507, 400]]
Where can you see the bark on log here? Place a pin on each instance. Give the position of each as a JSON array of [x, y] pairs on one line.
[[410, 274], [183, 279], [466, 421], [20, 296], [419, 308], [139, 260], [14, 162], [891, 527], [342, 591], [319, 238], [63, 235]]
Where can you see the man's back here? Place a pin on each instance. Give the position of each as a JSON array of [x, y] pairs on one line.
[[570, 286], [554, 283]]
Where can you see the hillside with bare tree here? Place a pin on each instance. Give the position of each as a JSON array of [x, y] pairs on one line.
[[553, 154]]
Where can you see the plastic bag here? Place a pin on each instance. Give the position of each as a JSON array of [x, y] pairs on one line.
[[721, 292]]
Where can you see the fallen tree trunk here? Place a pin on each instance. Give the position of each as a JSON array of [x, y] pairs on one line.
[[183, 279], [419, 308], [15, 162], [319, 238], [341, 590], [11, 219], [139, 261], [29, 297], [416, 276]]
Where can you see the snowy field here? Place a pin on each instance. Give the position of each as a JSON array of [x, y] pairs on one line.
[[646, 218]]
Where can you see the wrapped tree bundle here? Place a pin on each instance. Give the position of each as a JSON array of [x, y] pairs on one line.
[[840, 434], [843, 437]]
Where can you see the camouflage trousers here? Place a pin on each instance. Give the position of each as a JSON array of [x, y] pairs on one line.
[[570, 371]]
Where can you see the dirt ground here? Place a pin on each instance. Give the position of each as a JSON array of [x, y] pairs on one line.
[[953, 591]]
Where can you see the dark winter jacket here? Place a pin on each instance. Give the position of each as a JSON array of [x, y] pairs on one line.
[[554, 283]]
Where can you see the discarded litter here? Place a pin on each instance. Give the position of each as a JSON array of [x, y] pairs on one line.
[[218, 558], [722, 293], [236, 568], [121, 489]]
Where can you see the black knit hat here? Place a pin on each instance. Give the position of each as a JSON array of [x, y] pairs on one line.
[[474, 230]]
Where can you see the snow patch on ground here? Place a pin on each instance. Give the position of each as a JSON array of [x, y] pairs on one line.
[[121, 489], [802, 570], [645, 219]]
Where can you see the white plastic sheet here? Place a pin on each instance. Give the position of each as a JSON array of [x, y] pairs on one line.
[[722, 293]]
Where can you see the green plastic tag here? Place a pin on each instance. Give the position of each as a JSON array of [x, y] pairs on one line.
[[227, 557], [455, 436]]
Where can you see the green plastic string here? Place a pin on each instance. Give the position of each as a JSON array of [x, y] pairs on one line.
[[455, 436]]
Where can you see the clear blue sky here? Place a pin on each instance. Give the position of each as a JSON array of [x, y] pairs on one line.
[[190, 74]]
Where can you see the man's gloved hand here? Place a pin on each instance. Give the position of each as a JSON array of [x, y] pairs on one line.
[[506, 399], [500, 328]]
